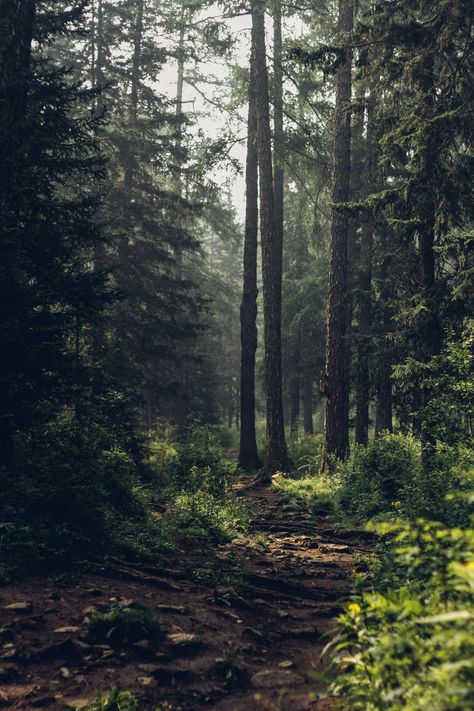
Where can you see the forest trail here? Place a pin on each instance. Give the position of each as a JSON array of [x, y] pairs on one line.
[[243, 624]]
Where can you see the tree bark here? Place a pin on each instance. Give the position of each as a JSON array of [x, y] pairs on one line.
[[295, 383], [276, 454], [307, 398], [365, 296], [335, 437], [248, 453], [383, 407]]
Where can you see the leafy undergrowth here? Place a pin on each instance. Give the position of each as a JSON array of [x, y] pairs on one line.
[[119, 701], [406, 640], [73, 493], [408, 643]]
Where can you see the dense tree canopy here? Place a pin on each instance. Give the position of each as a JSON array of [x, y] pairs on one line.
[[236, 252]]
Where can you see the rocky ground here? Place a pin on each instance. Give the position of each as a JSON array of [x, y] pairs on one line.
[[243, 625]]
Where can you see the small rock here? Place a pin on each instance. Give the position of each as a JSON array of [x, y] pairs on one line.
[[180, 639], [21, 607], [146, 681], [71, 629], [286, 664], [79, 703]]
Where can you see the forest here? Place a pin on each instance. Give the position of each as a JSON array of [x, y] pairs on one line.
[[237, 355]]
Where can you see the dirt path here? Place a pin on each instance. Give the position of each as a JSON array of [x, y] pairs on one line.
[[243, 626]]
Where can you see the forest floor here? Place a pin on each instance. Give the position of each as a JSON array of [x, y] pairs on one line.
[[243, 624]]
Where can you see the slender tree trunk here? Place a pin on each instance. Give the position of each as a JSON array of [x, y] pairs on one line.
[[384, 386], [178, 251], [430, 331], [365, 297], [295, 387], [307, 397], [278, 135], [335, 437], [276, 455], [383, 407], [346, 402], [16, 33], [98, 82], [248, 454], [180, 403], [133, 113]]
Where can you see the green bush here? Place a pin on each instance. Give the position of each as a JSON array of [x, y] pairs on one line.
[[305, 454], [318, 491], [201, 515], [378, 478], [409, 643], [117, 701], [386, 480], [197, 463], [121, 626], [69, 492]]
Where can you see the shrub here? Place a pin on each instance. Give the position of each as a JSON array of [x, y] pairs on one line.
[[117, 701], [197, 463], [377, 478], [201, 515], [409, 644], [70, 492], [121, 626], [305, 454], [318, 491]]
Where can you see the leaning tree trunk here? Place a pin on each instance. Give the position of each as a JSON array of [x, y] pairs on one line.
[[276, 455], [16, 34], [248, 454], [335, 437]]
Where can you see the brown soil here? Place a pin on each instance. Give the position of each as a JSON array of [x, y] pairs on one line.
[[243, 627]]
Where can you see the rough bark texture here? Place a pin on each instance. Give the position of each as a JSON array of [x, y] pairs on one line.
[[276, 454], [16, 33], [278, 135], [383, 408], [248, 454], [307, 397], [133, 112], [365, 296], [335, 438], [295, 383]]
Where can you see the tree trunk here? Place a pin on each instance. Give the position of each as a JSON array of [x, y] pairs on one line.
[[248, 454], [335, 437], [365, 296], [133, 113], [307, 397], [383, 408], [180, 403], [276, 454], [16, 34], [178, 251], [98, 82], [278, 135], [295, 387]]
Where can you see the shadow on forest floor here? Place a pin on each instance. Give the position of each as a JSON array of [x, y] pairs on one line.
[[233, 627]]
